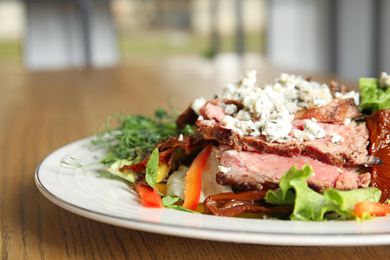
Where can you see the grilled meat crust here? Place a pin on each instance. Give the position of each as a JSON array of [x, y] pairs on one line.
[[351, 152], [335, 111]]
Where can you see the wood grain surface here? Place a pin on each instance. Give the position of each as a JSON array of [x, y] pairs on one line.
[[42, 111]]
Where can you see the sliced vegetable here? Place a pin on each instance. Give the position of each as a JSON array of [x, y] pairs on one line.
[[153, 195], [114, 169], [378, 125], [194, 179], [381, 173], [176, 183], [209, 184], [231, 204], [162, 188], [344, 201], [372, 208], [163, 171], [149, 196]]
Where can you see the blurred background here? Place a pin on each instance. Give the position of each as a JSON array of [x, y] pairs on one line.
[[348, 38]]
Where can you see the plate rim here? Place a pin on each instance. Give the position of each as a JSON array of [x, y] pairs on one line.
[[206, 233]]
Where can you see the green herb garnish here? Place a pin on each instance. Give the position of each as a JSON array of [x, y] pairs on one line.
[[133, 136]]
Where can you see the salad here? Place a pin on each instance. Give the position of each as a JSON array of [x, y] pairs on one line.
[[292, 149]]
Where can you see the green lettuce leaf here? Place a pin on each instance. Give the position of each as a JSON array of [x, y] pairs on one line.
[[285, 194], [115, 169], [152, 168], [346, 200], [310, 205], [373, 97]]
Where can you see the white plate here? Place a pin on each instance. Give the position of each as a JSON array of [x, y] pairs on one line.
[[111, 201]]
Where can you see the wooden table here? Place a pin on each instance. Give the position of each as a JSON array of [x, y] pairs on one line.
[[42, 111]]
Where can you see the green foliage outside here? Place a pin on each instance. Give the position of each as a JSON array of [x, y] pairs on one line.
[[10, 52], [161, 44], [151, 45]]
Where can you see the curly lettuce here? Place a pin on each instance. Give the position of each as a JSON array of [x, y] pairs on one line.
[[310, 205], [375, 94]]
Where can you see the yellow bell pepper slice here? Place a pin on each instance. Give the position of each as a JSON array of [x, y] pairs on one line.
[[163, 171]]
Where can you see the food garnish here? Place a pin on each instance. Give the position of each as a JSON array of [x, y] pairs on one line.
[[375, 93], [293, 149]]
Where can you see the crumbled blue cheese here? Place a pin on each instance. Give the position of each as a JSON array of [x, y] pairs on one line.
[[198, 104], [310, 131], [302, 136], [311, 127], [223, 169], [347, 121], [384, 80], [302, 93], [350, 94], [242, 88], [230, 109], [229, 122], [276, 127], [244, 115], [336, 138], [181, 138], [269, 110], [248, 127]]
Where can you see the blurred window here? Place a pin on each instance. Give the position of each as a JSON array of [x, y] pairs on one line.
[[155, 28], [12, 17]]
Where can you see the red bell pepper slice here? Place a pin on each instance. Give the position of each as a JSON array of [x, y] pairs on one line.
[[149, 196], [194, 179], [374, 208]]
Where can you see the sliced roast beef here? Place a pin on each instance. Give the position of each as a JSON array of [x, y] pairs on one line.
[[212, 111], [335, 111], [188, 117], [210, 129], [352, 151], [251, 170], [215, 109]]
